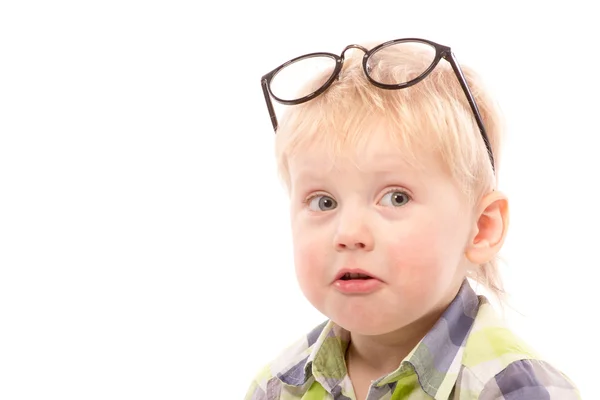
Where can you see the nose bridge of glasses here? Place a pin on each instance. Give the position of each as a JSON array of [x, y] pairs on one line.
[[353, 46]]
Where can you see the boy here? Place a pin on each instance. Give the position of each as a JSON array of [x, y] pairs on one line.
[[390, 157]]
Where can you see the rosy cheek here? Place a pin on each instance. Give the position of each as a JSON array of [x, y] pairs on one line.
[[310, 272], [413, 260], [309, 256]]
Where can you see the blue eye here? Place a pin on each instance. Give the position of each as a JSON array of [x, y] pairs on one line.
[[395, 199], [321, 203]]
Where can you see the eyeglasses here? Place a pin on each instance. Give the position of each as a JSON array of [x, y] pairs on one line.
[[279, 83]]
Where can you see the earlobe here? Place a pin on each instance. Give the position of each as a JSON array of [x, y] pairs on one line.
[[489, 231]]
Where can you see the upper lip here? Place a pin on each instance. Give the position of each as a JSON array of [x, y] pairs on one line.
[[345, 271]]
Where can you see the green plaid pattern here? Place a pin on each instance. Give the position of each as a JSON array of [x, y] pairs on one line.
[[468, 354]]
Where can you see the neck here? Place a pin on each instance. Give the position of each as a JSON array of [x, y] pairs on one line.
[[383, 354]]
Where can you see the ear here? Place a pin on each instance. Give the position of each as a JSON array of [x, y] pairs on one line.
[[489, 229]]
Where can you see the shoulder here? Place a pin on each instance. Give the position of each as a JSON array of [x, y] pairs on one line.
[[530, 379], [287, 367], [497, 364], [491, 345]]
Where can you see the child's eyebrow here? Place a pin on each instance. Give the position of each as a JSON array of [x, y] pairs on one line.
[[383, 162], [308, 175], [401, 175], [388, 168]]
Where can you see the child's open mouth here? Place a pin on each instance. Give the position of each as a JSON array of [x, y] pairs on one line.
[[355, 282], [349, 276]]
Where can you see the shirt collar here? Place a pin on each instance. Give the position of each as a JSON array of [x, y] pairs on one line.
[[326, 362], [436, 359]]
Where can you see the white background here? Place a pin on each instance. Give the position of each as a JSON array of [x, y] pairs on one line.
[[144, 241]]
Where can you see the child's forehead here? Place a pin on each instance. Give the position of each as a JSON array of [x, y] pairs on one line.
[[378, 155]]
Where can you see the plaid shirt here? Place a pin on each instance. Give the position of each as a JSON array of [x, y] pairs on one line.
[[468, 354]]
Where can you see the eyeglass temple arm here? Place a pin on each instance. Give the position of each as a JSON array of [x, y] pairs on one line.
[[269, 104], [463, 83]]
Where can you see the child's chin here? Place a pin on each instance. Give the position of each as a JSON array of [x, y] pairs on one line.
[[366, 326]]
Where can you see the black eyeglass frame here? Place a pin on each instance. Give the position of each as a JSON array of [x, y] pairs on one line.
[[441, 52]]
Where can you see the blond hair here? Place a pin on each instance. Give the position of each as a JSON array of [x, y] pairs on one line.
[[433, 114]]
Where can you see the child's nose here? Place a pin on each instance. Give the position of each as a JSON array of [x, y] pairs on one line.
[[352, 245], [357, 237]]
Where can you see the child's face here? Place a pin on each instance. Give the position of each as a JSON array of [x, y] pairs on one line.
[[408, 228]]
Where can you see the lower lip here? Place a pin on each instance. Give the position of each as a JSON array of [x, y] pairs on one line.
[[357, 286]]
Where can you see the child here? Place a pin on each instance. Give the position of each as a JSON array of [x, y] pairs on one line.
[[391, 161]]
